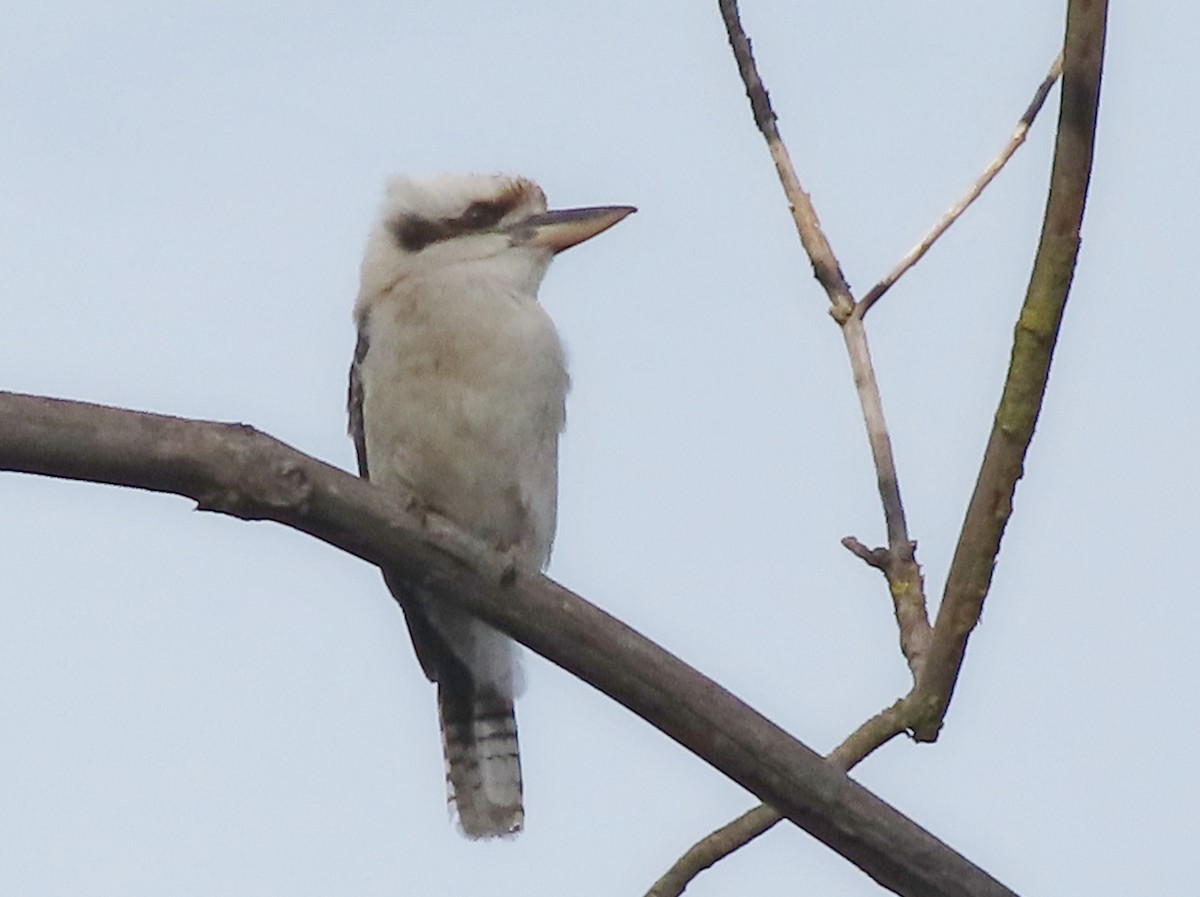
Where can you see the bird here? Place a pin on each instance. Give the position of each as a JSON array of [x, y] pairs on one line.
[[457, 395]]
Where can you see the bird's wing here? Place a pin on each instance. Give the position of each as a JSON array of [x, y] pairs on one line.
[[437, 660], [354, 405]]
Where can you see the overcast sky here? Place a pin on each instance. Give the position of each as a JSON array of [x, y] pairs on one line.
[[193, 705]]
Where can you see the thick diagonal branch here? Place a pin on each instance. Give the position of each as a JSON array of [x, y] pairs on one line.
[[237, 470]]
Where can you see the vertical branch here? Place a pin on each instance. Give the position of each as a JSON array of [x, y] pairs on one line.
[[898, 562], [1034, 339], [855, 336]]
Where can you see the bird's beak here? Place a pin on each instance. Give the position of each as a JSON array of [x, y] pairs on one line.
[[564, 228]]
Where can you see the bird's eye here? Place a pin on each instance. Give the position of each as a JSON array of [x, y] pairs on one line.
[[481, 214]]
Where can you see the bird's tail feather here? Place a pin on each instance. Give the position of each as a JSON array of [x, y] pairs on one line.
[[483, 766]]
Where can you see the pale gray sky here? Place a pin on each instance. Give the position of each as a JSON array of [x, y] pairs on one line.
[[194, 706]]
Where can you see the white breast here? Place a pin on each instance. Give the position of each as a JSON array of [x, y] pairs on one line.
[[464, 388]]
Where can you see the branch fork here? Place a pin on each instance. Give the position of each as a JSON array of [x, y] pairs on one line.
[[935, 653]]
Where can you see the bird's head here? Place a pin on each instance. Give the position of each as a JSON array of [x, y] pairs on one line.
[[495, 226]]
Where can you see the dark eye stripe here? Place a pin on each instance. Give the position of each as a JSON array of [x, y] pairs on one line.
[[413, 233]]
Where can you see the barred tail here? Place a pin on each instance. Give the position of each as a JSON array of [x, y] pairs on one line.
[[483, 766]]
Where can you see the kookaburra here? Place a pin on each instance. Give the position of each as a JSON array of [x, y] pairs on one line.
[[457, 394]]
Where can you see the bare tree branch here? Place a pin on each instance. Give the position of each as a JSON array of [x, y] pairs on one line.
[[897, 561], [713, 848], [1014, 143], [240, 471], [1036, 333], [735, 835], [812, 238], [899, 565]]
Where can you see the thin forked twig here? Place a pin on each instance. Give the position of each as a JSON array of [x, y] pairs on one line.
[[1014, 143], [897, 561], [828, 273]]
